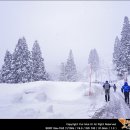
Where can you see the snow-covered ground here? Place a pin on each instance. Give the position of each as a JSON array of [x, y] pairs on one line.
[[51, 100], [47, 99]]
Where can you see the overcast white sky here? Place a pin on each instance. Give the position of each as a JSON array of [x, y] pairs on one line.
[[61, 26]]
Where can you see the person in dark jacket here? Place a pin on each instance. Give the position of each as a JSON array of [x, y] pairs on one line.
[[114, 87], [106, 87], [126, 90]]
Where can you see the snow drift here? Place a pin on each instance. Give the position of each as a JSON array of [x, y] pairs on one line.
[[46, 99]]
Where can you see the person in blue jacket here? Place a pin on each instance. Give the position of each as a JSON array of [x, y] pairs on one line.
[[126, 90]]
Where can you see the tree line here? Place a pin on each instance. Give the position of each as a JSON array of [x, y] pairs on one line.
[[23, 66], [27, 66], [121, 54], [68, 68]]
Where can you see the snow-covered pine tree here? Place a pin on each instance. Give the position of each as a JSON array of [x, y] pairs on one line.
[[47, 76], [125, 46], [70, 68], [117, 54], [6, 72], [0, 77], [94, 60], [62, 74], [39, 72], [21, 63]]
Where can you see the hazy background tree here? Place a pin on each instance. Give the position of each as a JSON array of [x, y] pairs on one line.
[[93, 61], [63, 73], [70, 68]]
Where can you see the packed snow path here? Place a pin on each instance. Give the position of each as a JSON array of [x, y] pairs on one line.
[[115, 108]]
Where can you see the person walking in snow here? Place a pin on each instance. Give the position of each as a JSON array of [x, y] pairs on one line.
[[106, 87], [126, 89], [114, 87]]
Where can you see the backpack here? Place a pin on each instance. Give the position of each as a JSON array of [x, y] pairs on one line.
[[107, 86]]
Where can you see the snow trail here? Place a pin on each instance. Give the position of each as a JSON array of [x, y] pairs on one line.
[[115, 108]]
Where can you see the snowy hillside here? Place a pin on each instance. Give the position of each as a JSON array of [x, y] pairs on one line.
[[50, 100]]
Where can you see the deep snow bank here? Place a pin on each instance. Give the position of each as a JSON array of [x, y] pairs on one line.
[[46, 99]]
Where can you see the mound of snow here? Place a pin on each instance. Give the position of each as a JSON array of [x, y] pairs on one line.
[[27, 113], [50, 108], [34, 100], [41, 97]]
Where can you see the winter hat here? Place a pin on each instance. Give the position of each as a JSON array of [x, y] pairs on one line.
[[125, 84], [106, 81]]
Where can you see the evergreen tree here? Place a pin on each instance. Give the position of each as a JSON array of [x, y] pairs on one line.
[[116, 52], [93, 60], [6, 72], [39, 72], [125, 47], [47, 75], [62, 74], [70, 68], [117, 55], [0, 77], [21, 63]]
